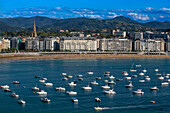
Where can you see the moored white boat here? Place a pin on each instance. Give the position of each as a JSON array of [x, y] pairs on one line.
[[86, 88], [35, 88], [129, 85], [42, 92], [94, 83], [98, 108], [45, 100], [161, 78], [154, 88], [165, 83], [156, 70], [16, 82], [72, 84], [128, 78], [109, 92], [60, 88], [105, 87], [14, 95], [64, 74], [112, 82], [21, 101], [80, 79], [112, 77], [48, 84], [74, 100], [71, 93], [98, 78], [42, 81], [44, 78], [141, 74], [139, 91], [97, 99], [90, 72], [106, 81], [148, 79], [144, 70], [5, 87], [125, 73], [65, 78], [69, 76], [79, 75], [141, 80]]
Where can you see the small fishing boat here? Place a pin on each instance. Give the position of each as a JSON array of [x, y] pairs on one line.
[[37, 77], [141, 80], [14, 95], [112, 77], [129, 85], [35, 88], [60, 88], [156, 70], [45, 100], [109, 92], [5, 87], [21, 101], [7, 90], [97, 99], [42, 81], [16, 82], [98, 78], [69, 76], [153, 102], [144, 70], [132, 70], [141, 74], [42, 92], [128, 78], [71, 93], [165, 83], [154, 88], [106, 81], [98, 108], [161, 78], [105, 87], [65, 78], [134, 76], [112, 82], [64, 74], [139, 91], [86, 88], [125, 73], [119, 79], [80, 79], [79, 75], [44, 78], [94, 83], [72, 84], [48, 84], [90, 73], [74, 100], [148, 79]]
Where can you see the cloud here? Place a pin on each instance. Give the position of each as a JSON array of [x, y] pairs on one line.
[[141, 15]]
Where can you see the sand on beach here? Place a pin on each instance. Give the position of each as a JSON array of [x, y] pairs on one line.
[[80, 56]]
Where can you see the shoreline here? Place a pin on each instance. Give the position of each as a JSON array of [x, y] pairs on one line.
[[81, 56]]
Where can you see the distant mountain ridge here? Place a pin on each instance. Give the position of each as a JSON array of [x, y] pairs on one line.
[[23, 23]]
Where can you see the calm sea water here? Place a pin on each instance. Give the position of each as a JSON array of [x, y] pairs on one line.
[[123, 101]]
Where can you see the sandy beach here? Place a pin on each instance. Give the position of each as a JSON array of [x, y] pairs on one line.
[[80, 56]]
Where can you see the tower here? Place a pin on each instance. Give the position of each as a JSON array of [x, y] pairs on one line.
[[34, 33]]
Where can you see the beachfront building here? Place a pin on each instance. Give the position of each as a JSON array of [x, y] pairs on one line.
[[150, 45], [4, 44], [115, 44], [78, 44], [50, 44], [15, 43]]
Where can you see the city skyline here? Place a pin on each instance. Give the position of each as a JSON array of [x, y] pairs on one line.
[[142, 11]]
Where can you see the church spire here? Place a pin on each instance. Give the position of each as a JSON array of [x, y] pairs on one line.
[[34, 30]]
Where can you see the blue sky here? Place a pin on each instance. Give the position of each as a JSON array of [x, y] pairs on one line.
[[96, 4]]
